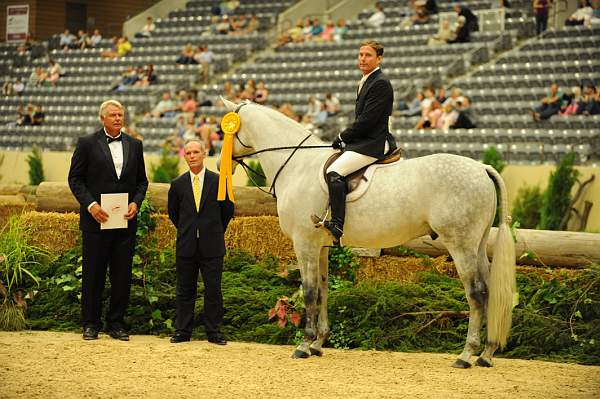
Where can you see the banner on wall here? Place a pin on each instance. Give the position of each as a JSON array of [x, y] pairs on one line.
[[17, 23]]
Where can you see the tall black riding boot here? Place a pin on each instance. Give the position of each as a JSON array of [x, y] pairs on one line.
[[337, 200]]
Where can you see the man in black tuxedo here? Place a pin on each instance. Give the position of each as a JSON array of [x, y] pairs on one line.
[[201, 222], [367, 139], [107, 161]]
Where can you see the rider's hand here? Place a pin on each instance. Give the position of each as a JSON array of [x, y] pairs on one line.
[[337, 143]]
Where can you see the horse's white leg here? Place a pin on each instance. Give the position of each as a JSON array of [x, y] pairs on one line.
[[308, 258], [466, 261], [323, 323]]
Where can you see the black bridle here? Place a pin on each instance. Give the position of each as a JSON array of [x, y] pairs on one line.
[[240, 159]]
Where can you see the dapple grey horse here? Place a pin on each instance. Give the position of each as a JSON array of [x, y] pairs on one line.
[[448, 195]]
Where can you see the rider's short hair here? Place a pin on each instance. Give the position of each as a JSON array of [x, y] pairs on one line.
[[375, 45]]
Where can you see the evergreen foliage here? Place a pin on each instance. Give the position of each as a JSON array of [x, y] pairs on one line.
[[36, 167], [257, 179], [167, 168], [527, 207], [493, 157], [557, 196]]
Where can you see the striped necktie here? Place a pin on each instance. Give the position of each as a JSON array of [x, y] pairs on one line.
[[197, 194]]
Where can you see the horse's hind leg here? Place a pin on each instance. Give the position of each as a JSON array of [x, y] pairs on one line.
[[323, 323], [466, 262], [308, 259]]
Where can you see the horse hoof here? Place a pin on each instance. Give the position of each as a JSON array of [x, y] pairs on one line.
[[461, 364], [298, 354], [316, 352], [483, 363]]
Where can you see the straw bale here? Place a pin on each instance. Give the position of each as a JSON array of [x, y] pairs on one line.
[[402, 269], [164, 233], [12, 205], [259, 236], [56, 232]]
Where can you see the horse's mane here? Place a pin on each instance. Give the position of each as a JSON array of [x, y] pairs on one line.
[[285, 120]]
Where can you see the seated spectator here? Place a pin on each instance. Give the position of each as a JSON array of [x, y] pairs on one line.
[[129, 77], [165, 108], [332, 104], [147, 29], [237, 25], [590, 103], [327, 34], [37, 77], [414, 107], [465, 118], [314, 107], [571, 102], [317, 28], [187, 55], [430, 116], [25, 46], [223, 27], [441, 95], [54, 73], [429, 97], [376, 19], [147, 77], [121, 48], [67, 40], [307, 30], [443, 35], [261, 94], [7, 88], [340, 30], [248, 90], [253, 24], [550, 104], [461, 33], [292, 35], [23, 116], [82, 39], [420, 17], [189, 105], [471, 21], [204, 57], [288, 111], [321, 116], [38, 116], [307, 122], [455, 98], [447, 118], [18, 87], [95, 39]]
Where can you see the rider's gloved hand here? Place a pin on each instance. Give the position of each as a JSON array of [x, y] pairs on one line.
[[337, 143]]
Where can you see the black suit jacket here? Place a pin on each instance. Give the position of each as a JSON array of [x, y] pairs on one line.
[[369, 131], [93, 173], [202, 230]]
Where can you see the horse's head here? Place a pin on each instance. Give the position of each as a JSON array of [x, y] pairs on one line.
[[243, 142]]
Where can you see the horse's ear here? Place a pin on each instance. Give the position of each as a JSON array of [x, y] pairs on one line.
[[228, 104]]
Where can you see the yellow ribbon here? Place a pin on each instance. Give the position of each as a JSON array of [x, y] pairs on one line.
[[230, 125]]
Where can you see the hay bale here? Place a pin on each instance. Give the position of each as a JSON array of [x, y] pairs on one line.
[[401, 269], [259, 235], [12, 205], [164, 234], [53, 231], [10, 189]]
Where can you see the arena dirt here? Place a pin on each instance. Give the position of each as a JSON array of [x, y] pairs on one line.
[[62, 365]]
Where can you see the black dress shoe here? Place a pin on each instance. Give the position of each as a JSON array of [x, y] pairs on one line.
[[90, 333], [218, 339], [119, 334], [177, 338]]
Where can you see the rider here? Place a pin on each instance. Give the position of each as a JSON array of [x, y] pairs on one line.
[[367, 139]]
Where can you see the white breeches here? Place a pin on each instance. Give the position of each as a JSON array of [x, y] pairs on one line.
[[350, 162]]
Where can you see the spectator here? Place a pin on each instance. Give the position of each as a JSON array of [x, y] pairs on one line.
[[165, 108], [332, 104], [18, 87], [420, 16], [540, 9], [248, 90], [415, 106], [7, 88], [321, 116], [307, 30], [129, 77], [307, 122], [37, 77], [581, 16], [288, 110], [471, 21], [317, 28], [261, 94], [95, 39], [67, 40], [443, 35], [572, 102], [455, 98], [376, 19], [447, 117], [292, 35], [590, 104], [223, 27], [314, 107], [429, 97], [147, 77], [253, 24], [25, 115], [441, 95], [122, 47], [465, 118], [38, 116], [204, 57], [550, 104], [327, 35], [461, 34], [147, 29], [186, 57], [82, 39], [340, 30], [430, 116], [24, 47], [189, 105]]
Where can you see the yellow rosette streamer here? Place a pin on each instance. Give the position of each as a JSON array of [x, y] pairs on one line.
[[230, 124]]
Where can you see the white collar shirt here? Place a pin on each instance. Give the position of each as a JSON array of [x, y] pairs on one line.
[[364, 79], [116, 152]]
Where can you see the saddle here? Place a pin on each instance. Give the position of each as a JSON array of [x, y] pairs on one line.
[[354, 179]]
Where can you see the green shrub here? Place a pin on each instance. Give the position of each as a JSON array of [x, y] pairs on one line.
[[167, 168], [257, 179], [557, 196], [527, 206], [493, 157], [36, 167]]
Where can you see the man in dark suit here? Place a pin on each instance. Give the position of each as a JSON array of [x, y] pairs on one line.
[[107, 161], [367, 139], [201, 222]]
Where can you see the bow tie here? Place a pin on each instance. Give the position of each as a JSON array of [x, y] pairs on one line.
[[111, 139]]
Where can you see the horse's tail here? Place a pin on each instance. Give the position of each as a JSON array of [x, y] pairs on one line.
[[502, 284]]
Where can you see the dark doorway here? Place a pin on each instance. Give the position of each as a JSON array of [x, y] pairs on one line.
[[76, 16]]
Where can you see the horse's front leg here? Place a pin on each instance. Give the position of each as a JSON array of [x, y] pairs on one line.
[[308, 259], [323, 323]]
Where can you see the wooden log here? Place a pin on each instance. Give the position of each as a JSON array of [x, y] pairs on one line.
[[57, 197], [533, 247]]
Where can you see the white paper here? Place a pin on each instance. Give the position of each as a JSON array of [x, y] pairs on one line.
[[116, 206]]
